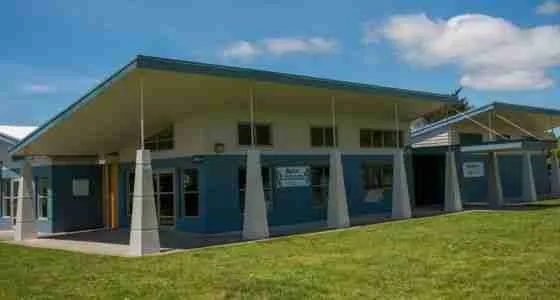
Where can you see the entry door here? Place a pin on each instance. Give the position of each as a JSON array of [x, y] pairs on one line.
[[164, 186]]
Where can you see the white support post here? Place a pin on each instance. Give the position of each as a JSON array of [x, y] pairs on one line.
[[555, 176], [337, 205], [528, 179], [255, 219], [144, 230], [401, 198], [25, 214], [495, 193], [453, 200]]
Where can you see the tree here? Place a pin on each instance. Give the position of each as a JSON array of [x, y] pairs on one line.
[[449, 109]]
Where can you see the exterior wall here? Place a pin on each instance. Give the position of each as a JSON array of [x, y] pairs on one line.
[[219, 209], [71, 213], [475, 190], [197, 134]]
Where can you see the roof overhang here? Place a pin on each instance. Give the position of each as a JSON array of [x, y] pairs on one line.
[[107, 117], [522, 115]]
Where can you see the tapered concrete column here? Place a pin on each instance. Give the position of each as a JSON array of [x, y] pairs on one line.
[[401, 198], [337, 205], [25, 214], [555, 176], [144, 231], [452, 190], [528, 179], [255, 221], [495, 193]]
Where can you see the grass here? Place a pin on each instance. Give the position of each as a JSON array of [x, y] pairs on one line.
[[507, 254]]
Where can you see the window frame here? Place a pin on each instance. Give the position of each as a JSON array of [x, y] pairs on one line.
[[41, 197], [7, 196], [257, 142], [372, 132], [155, 142], [325, 136], [191, 192], [322, 187], [377, 170]]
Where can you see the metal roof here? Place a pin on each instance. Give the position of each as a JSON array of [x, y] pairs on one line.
[[174, 65], [497, 106]]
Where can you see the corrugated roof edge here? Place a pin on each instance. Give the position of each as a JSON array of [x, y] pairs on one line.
[[492, 106], [166, 64], [8, 139], [451, 120]]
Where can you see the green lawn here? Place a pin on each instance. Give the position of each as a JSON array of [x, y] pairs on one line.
[[471, 255]]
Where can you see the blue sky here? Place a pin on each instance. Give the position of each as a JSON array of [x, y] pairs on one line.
[[52, 52]]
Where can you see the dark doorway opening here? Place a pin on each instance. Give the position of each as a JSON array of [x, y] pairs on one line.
[[429, 179]]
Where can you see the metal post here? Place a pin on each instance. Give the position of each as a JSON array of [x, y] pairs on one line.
[[142, 113], [333, 120], [252, 116], [396, 115]]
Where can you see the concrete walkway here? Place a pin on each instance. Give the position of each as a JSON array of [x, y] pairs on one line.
[[115, 242]]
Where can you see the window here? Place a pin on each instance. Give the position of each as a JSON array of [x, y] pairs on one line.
[[163, 140], [164, 196], [377, 176], [43, 198], [263, 135], [10, 188], [7, 198], [130, 191], [322, 136], [190, 192], [373, 138], [319, 185], [266, 174]]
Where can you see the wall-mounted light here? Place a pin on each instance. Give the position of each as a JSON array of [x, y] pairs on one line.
[[219, 147]]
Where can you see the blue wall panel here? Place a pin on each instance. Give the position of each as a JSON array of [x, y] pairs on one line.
[[355, 191], [510, 172], [76, 213], [219, 204], [540, 173], [473, 189]]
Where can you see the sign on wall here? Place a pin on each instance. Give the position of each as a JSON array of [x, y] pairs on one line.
[[80, 187], [473, 169], [292, 177]]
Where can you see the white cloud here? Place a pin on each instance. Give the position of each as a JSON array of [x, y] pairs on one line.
[[548, 7], [511, 80], [38, 88], [492, 53], [241, 50], [279, 47]]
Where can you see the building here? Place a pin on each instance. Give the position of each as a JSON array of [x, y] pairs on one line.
[[9, 177], [231, 150], [512, 139], [197, 120]]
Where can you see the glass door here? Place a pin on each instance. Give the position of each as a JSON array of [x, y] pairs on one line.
[[164, 187]]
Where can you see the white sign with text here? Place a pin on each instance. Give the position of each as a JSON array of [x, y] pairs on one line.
[[292, 177], [473, 169]]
